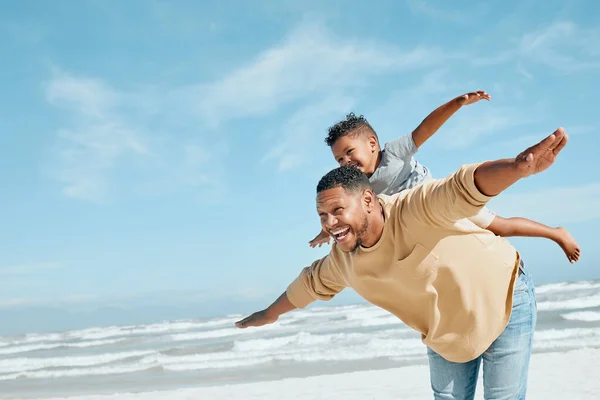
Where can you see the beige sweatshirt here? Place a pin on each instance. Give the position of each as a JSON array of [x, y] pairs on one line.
[[432, 268]]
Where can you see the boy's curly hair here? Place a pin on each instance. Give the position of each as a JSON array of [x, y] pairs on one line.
[[344, 127]]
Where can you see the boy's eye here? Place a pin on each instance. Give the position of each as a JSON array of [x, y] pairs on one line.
[[350, 151]]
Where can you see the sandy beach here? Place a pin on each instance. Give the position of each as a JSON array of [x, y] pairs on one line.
[[572, 375]]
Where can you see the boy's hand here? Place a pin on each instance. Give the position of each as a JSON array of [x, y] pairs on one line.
[[473, 97], [320, 239]]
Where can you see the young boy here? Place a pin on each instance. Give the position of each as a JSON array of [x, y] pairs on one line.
[[393, 169]]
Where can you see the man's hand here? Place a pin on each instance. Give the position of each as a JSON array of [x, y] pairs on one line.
[[473, 97], [259, 318], [322, 238], [541, 156], [493, 177], [268, 315]]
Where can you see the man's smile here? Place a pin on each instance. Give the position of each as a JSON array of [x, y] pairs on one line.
[[339, 234]]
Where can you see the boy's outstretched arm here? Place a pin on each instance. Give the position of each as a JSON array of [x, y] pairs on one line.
[[269, 315], [438, 117]]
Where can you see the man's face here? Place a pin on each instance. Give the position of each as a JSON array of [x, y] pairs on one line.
[[360, 150], [344, 216]]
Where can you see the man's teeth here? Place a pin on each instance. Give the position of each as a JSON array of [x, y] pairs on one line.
[[340, 232]]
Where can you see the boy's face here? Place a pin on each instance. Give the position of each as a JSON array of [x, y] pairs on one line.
[[360, 150]]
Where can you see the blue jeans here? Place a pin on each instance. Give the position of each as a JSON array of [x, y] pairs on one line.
[[505, 362]]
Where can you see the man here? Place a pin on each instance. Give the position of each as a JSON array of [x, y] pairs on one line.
[[416, 255]]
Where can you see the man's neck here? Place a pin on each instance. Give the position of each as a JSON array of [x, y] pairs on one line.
[[376, 225]]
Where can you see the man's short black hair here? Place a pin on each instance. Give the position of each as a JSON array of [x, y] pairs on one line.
[[349, 177], [343, 128]]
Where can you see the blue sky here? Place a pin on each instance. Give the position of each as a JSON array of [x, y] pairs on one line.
[[166, 153]]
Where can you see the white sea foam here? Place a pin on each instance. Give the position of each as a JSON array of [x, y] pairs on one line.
[[588, 316], [31, 364], [220, 333], [118, 331], [223, 333], [108, 370], [163, 327], [300, 348], [570, 304], [301, 339], [382, 321], [49, 346], [559, 334], [325, 334], [567, 287]]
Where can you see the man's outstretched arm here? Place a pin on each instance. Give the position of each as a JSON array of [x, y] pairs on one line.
[[268, 315], [321, 281], [493, 177], [464, 193]]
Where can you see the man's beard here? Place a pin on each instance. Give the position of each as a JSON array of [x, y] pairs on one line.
[[362, 231]]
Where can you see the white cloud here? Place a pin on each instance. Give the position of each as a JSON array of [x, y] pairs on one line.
[[89, 97], [201, 164], [522, 142], [108, 134], [564, 46], [561, 205], [97, 140], [311, 70], [308, 61], [307, 127], [466, 130]]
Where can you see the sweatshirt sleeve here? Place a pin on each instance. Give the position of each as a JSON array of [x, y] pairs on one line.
[[320, 281], [443, 202]]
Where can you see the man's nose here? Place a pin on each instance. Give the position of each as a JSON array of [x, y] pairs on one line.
[[330, 221]]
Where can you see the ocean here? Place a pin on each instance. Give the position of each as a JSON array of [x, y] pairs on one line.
[[200, 352]]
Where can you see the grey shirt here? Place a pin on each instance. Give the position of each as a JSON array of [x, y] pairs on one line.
[[398, 170]]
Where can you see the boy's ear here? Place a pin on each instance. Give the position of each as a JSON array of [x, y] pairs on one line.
[[373, 143]]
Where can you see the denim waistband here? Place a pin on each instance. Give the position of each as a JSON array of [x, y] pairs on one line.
[[521, 266]]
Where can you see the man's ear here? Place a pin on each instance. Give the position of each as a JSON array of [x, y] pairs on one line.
[[369, 200]]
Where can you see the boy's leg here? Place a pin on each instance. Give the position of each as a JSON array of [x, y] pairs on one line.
[[506, 361], [507, 227], [452, 381]]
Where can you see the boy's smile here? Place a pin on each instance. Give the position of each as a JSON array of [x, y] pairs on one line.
[[358, 149]]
